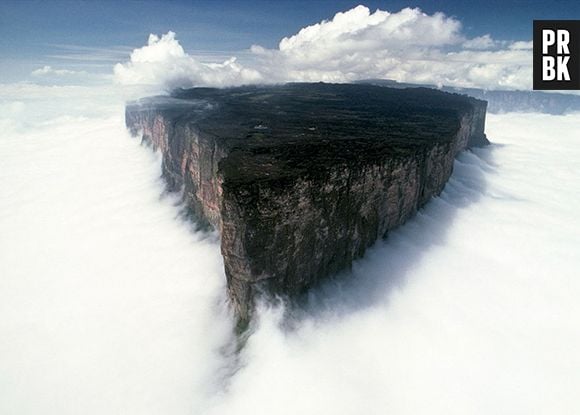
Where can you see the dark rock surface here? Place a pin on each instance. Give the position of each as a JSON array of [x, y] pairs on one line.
[[502, 101], [300, 179]]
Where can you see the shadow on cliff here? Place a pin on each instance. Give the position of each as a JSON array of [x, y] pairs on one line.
[[387, 265]]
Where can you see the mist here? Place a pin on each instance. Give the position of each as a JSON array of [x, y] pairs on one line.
[[469, 308], [111, 302]]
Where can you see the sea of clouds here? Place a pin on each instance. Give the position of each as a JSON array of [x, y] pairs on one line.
[[111, 302], [469, 308]]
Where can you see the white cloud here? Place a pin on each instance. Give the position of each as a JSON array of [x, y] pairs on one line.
[[108, 302], [359, 29], [434, 320], [164, 63], [408, 45], [88, 54], [49, 76], [49, 70], [480, 42], [521, 45]]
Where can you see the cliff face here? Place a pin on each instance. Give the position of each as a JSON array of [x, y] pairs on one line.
[[190, 159], [301, 179]]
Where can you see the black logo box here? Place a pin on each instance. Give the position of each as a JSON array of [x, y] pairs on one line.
[[573, 27]]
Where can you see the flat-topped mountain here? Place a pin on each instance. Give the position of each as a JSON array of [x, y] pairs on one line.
[[300, 179]]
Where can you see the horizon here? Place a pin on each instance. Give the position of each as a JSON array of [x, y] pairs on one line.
[[66, 40]]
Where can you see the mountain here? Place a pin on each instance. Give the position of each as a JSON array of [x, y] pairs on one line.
[[300, 179]]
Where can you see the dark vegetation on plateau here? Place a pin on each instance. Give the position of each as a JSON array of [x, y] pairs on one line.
[[279, 131]]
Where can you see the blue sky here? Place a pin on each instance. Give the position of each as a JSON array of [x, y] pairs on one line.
[[31, 27], [95, 34]]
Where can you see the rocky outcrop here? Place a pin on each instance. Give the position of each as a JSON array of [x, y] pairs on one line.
[[301, 179]]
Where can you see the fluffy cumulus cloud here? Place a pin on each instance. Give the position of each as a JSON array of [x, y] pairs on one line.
[[408, 46], [164, 62], [480, 42], [360, 44]]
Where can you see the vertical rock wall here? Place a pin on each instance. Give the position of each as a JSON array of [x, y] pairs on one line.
[[283, 236]]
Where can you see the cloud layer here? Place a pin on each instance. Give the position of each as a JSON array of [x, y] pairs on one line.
[[469, 308], [109, 304], [408, 45]]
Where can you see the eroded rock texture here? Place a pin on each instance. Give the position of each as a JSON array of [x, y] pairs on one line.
[[301, 179]]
